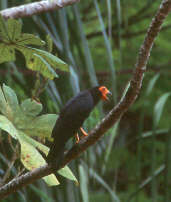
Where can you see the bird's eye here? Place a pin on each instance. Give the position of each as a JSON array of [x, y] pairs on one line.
[[103, 89]]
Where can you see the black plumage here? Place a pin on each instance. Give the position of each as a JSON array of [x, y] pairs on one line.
[[70, 119]]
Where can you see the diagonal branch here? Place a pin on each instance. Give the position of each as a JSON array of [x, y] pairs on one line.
[[35, 8], [113, 116]]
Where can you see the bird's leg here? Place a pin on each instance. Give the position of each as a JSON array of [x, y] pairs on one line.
[[77, 138], [83, 132]]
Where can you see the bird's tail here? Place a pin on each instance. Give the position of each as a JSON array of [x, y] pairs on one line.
[[56, 154]]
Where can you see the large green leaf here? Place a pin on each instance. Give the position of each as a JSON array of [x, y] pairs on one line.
[[41, 126], [7, 126], [54, 61], [10, 97], [3, 30], [31, 107], [67, 173], [14, 29], [48, 66], [49, 43], [34, 143], [2, 102], [29, 39], [37, 60], [31, 159], [24, 116], [8, 102], [22, 120], [7, 53]]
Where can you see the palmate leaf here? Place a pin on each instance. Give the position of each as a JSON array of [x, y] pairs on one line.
[[25, 115], [31, 107], [41, 126], [49, 43], [32, 159], [42, 61], [7, 126], [52, 60], [3, 30], [21, 120], [11, 38], [14, 29], [8, 102], [65, 172], [29, 39], [7, 53]]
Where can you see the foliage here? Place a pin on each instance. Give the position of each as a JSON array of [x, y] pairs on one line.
[[38, 60], [99, 40], [22, 121]]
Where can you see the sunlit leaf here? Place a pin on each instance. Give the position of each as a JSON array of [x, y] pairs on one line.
[[158, 108], [7, 53], [31, 107], [3, 29], [30, 39], [8, 102], [41, 126], [37, 60], [49, 68], [32, 159], [54, 61], [35, 143], [14, 29], [7, 126], [2, 102], [11, 97], [49, 43], [67, 173]]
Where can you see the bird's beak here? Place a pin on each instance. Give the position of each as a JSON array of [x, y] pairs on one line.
[[108, 94], [104, 92]]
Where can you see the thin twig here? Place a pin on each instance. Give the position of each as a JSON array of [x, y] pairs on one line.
[[14, 157], [111, 118]]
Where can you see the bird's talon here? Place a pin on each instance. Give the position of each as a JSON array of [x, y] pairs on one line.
[[77, 138], [83, 132]]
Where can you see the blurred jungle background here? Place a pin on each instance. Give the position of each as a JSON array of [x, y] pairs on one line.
[[99, 40]]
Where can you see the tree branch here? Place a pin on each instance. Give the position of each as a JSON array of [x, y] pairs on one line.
[[35, 8], [111, 118]]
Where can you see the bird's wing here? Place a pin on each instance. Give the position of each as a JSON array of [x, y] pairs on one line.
[[79, 105], [74, 113]]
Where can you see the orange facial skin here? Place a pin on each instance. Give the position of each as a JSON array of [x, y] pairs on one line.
[[104, 91]]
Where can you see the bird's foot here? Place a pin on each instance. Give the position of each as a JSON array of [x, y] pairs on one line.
[[83, 132], [77, 138]]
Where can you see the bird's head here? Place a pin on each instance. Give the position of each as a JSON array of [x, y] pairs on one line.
[[104, 92]]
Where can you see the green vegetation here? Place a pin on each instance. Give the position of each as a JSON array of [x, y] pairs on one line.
[[48, 58]]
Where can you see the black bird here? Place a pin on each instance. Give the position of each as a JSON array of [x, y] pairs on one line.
[[71, 118]]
